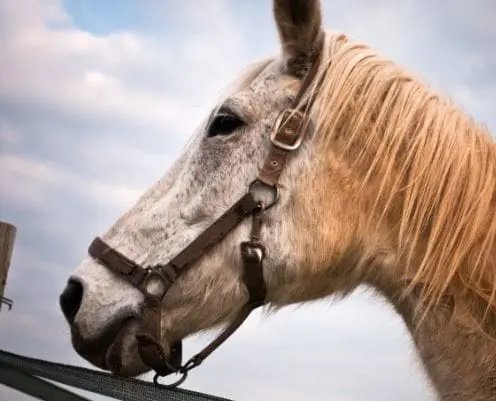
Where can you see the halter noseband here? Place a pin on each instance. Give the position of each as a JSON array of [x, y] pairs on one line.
[[288, 133]]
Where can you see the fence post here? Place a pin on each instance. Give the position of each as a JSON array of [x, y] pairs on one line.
[[7, 239]]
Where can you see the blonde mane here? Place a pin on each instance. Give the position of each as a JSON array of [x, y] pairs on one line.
[[432, 166]]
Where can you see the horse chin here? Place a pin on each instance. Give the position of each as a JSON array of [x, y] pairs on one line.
[[122, 357], [116, 350]]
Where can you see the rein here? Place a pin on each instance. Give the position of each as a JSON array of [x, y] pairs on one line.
[[287, 135]]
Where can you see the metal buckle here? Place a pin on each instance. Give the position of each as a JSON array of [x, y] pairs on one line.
[[252, 251], [289, 114]]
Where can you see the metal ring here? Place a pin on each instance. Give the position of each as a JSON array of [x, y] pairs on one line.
[[273, 188], [154, 274], [184, 376]]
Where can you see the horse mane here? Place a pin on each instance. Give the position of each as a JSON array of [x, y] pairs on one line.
[[432, 166]]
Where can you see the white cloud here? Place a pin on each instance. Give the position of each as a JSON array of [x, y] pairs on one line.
[[29, 182], [51, 65], [8, 134], [78, 72], [24, 180]]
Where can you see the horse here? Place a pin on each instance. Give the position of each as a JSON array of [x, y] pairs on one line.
[[321, 169]]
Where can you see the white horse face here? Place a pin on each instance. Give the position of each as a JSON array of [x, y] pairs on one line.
[[214, 171], [212, 174]]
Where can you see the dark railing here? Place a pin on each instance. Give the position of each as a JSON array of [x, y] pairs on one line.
[[30, 375]]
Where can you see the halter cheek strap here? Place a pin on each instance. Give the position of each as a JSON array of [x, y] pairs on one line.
[[288, 133]]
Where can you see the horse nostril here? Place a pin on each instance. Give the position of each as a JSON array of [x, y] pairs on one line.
[[70, 299]]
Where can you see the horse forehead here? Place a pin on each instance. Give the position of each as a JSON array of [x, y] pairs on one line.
[[273, 82]]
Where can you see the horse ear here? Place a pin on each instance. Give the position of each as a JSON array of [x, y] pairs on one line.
[[299, 23]]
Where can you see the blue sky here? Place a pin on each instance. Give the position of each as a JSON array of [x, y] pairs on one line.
[[97, 99]]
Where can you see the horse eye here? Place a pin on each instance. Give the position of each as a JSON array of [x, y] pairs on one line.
[[224, 124]]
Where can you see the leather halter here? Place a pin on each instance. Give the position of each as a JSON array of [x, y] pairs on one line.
[[288, 133]]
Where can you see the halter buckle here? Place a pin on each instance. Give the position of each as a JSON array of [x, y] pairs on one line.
[[252, 251], [288, 124]]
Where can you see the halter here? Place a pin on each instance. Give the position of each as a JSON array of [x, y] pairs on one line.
[[287, 135]]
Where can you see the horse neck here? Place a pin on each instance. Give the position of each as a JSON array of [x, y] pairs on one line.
[[424, 168], [460, 362], [459, 357]]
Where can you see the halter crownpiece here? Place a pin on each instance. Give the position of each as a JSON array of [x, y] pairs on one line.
[[288, 134]]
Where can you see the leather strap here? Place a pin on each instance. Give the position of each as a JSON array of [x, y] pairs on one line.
[[243, 208], [152, 352], [149, 346], [139, 276], [288, 132], [116, 261]]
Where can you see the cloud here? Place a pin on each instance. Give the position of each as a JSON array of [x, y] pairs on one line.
[[8, 134], [89, 119], [89, 70], [34, 182]]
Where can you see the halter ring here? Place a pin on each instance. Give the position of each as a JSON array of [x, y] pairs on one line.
[[184, 376], [273, 188]]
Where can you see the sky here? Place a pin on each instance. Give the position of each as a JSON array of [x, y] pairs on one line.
[[97, 98]]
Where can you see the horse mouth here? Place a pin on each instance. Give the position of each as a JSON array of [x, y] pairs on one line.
[[115, 350]]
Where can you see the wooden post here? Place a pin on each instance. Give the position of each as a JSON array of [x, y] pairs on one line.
[[7, 239]]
